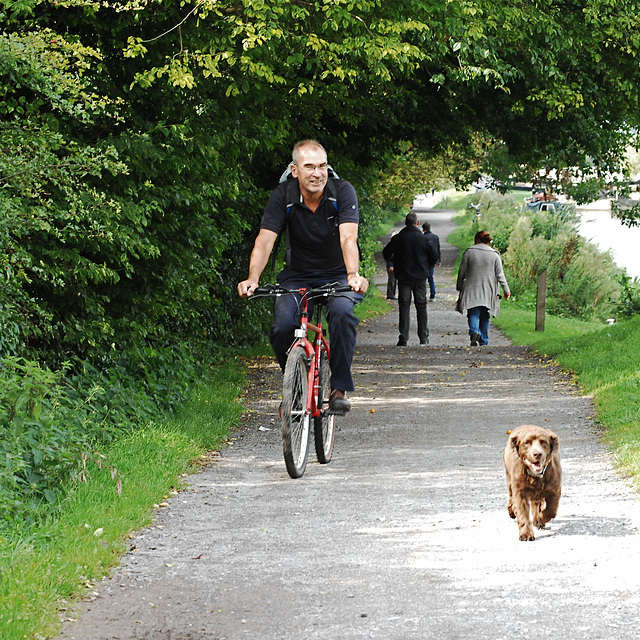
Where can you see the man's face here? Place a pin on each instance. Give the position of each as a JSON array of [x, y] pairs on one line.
[[311, 170]]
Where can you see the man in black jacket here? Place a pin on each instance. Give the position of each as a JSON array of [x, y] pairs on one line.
[[411, 255]]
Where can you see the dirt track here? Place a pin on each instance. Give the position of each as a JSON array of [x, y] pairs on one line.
[[405, 534]]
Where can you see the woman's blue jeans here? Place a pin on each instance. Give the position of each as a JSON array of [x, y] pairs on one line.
[[479, 319]]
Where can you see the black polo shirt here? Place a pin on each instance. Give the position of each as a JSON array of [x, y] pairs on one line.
[[313, 235]]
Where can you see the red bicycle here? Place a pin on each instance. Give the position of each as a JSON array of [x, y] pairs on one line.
[[306, 383]]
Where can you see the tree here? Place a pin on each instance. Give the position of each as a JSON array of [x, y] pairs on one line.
[[548, 83]]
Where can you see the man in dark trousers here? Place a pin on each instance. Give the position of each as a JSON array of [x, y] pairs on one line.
[[434, 241], [411, 254]]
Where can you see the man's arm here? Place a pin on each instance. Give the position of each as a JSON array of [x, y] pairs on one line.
[[258, 261], [432, 254], [351, 256], [387, 251]]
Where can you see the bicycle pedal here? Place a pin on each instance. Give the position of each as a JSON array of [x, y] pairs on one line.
[[335, 412]]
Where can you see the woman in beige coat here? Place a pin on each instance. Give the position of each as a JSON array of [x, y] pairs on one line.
[[479, 280]]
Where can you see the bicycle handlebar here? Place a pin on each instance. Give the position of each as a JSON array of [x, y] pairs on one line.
[[273, 290]]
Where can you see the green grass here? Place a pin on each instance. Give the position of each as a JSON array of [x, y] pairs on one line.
[[374, 304], [44, 567], [519, 323]]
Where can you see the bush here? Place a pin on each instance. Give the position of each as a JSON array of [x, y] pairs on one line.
[[585, 282], [498, 216], [629, 304], [41, 439], [581, 281]]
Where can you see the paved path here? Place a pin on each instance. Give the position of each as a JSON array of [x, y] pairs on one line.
[[405, 535]]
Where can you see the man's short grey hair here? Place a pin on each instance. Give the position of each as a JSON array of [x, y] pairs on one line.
[[304, 143], [411, 219]]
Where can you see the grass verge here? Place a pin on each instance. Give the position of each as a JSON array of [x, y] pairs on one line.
[[374, 304]]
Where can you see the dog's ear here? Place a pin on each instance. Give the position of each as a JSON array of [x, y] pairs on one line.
[[514, 441], [553, 440]]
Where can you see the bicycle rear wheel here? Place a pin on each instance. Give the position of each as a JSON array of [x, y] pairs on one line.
[[296, 421], [324, 427]]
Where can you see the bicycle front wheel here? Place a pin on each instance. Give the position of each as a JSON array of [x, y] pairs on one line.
[[324, 426], [296, 420]]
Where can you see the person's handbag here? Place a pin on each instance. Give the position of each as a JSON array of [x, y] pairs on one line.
[[459, 308]]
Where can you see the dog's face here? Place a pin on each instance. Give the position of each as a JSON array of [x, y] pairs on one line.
[[534, 446]]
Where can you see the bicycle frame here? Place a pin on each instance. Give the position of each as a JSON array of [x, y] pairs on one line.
[[312, 349]]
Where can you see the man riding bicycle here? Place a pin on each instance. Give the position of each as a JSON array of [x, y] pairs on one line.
[[323, 243]]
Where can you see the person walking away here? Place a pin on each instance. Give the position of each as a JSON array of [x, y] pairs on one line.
[[479, 279], [411, 255], [323, 249], [434, 240]]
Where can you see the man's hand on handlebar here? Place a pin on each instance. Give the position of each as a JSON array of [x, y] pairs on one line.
[[358, 283], [246, 288]]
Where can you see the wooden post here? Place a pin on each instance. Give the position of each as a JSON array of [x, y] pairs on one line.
[[541, 301]]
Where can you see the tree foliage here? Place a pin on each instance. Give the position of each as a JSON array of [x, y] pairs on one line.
[[139, 138]]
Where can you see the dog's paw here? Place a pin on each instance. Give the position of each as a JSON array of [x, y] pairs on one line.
[[540, 524], [527, 535]]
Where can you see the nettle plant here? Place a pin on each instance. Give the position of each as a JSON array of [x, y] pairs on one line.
[[41, 439]]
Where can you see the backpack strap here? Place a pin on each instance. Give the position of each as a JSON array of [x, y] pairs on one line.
[[292, 197], [333, 198]]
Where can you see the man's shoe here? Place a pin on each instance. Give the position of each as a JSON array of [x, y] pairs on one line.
[[432, 297], [338, 403], [475, 339], [401, 343], [424, 341]]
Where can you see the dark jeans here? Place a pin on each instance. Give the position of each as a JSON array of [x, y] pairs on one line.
[[342, 328], [432, 284], [417, 288]]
